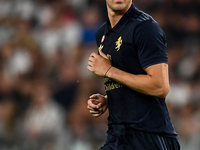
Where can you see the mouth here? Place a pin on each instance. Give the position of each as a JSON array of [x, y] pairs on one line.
[[118, 1]]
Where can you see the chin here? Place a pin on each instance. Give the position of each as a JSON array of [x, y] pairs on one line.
[[119, 7]]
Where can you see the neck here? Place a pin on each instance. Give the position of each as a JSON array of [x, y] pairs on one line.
[[115, 16]]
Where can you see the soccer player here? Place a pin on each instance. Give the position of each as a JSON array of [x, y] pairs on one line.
[[133, 61]]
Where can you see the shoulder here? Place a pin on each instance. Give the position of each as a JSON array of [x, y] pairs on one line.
[[141, 16], [145, 27], [100, 31], [145, 22]]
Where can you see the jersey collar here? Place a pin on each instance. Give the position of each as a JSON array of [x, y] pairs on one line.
[[122, 22]]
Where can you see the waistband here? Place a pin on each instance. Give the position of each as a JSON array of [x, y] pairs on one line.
[[120, 130]]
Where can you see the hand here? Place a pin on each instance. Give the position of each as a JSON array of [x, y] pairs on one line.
[[99, 64], [97, 104]]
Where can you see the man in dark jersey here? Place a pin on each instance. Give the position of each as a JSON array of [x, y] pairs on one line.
[[133, 61]]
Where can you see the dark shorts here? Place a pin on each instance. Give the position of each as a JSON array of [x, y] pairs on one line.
[[138, 140]]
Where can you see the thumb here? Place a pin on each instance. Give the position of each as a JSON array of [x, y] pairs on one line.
[[99, 105], [102, 54]]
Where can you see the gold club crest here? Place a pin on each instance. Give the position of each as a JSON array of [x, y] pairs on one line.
[[100, 47], [118, 43]]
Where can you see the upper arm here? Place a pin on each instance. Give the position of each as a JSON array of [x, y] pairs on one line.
[[159, 74], [150, 41]]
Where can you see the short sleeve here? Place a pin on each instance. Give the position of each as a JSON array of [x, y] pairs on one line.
[[150, 41]]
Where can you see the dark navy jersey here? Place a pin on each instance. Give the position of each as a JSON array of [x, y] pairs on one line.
[[135, 43]]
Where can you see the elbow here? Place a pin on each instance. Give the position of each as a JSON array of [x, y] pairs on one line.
[[163, 92]]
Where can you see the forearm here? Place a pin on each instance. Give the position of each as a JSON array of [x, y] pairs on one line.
[[146, 84]]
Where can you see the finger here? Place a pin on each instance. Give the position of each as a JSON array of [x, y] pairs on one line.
[[89, 68], [99, 105], [100, 109], [90, 108], [94, 55], [102, 54], [95, 101], [90, 63], [92, 104], [94, 112], [91, 55], [96, 115], [91, 59], [94, 96]]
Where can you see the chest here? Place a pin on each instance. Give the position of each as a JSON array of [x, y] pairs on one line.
[[120, 49]]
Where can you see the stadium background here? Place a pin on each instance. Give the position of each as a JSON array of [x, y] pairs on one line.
[[44, 83]]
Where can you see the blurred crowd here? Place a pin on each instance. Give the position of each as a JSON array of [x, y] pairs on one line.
[[45, 84]]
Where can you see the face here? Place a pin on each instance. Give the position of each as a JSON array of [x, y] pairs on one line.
[[118, 5]]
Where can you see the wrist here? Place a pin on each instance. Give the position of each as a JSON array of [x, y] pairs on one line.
[[105, 75], [109, 73]]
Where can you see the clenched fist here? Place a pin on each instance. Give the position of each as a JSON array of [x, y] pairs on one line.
[[99, 64], [97, 104]]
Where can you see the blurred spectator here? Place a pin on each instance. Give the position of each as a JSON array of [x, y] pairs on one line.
[[65, 76], [44, 120], [8, 121], [44, 49]]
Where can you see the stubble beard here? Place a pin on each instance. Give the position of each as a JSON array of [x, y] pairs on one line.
[[118, 8]]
